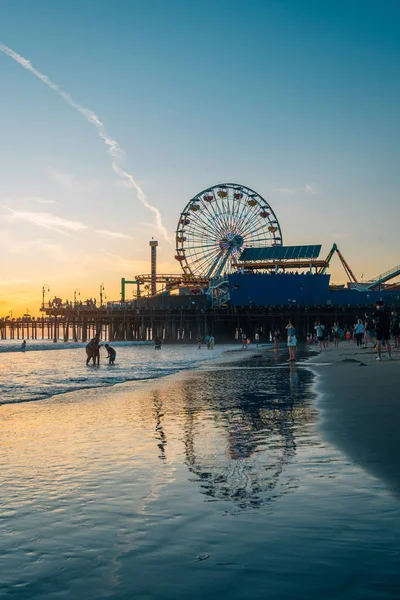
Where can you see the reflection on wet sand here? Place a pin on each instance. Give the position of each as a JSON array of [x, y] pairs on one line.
[[239, 430]]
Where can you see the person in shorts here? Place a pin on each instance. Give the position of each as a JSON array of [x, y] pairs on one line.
[[291, 341], [111, 354], [382, 327]]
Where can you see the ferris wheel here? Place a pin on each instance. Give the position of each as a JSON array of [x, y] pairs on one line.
[[218, 224]]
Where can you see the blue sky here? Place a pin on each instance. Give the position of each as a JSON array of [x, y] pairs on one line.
[[297, 99]]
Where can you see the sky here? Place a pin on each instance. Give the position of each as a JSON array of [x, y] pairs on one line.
[[296, 99]]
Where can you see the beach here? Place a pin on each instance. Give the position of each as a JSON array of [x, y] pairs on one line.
[[361, 407], [231, 479]]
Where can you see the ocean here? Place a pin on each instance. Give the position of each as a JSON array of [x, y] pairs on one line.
[[46, 368]]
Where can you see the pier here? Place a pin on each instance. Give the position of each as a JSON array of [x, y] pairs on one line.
[[174, 324]]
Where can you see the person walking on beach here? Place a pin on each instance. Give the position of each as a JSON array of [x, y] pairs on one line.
[[359, 332], [395, 328], [319, 332], [291, 341], [382, 327], [257, 338], [207, 340], [336, 334], [111, 354], [199, 340], [211, 342]]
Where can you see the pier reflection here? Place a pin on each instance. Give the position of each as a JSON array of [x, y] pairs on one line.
[[240, 429]]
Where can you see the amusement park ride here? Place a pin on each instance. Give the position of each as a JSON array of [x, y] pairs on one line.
[[214, 228], [227, 229]]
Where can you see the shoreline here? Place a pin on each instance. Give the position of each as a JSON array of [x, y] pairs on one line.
[[359, 405], [229, 354]]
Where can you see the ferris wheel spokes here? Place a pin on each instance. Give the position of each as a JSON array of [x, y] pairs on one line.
[[218, 224]]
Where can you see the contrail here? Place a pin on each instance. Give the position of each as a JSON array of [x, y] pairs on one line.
[[114, 148]]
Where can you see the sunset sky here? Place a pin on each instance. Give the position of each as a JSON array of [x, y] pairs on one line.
[[297, 99]]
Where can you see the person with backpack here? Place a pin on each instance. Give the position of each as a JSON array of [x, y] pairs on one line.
[[382, 326]]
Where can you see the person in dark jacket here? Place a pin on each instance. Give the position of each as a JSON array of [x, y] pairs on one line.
[[382, 327]]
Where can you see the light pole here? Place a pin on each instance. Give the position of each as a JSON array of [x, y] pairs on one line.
[[76, 292], [45, 289], [101, 294]]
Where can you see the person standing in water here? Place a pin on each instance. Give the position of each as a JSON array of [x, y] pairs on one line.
[[111, 354], [211, 343], [23, 346], [257, 338], [291, 341], [93, 350], [199, 340], [319, 332]]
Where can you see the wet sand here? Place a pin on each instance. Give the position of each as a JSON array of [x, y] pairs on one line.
[[212, 483], [360, 403]]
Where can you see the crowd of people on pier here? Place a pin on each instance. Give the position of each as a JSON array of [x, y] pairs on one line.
[[90, 303]]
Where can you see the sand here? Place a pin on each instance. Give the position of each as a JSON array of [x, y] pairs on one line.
[[360, 407]]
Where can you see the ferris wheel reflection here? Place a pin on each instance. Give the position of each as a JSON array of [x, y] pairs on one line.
[[240, 433]]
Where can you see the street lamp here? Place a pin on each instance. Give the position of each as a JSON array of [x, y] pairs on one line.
[[76, 292], [101, 294], [45, 289]]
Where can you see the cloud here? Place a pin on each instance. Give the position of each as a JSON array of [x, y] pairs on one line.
[[113, 234], [284, 190], [46, 220], [113, 148], [310, 188]]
